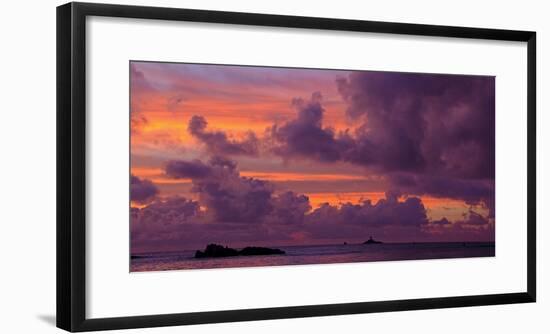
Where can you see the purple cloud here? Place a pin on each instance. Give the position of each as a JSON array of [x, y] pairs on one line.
[[240, 209], [471, 191], [442, 221], [228, 196], [180, 169], [474, 218], [288, 208], [166, 222], [422, 123], [305, 136], [236, 209], [235, 199], [429, 123], [428, 134], [172, 210], [388, 211], [142, 190], [218, 142], [474, 227]]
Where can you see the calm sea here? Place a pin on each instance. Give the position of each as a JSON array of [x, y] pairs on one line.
[[317, 255]]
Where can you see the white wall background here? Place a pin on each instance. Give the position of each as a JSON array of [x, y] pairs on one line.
[[27, 164]]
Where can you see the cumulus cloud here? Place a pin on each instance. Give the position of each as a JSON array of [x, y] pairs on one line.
[[426, 133], [422, 123], [142, 190], [430, 122], [471, 191], [236, 199], [169, 211], [234, 208], [288, 208], [181, 169], [388, 211], [218, 142], [474, 227], [399, 219], [167, 222], [305, 135], [248, 206], [228, 196]]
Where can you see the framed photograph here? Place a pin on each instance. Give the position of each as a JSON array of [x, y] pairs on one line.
[[219, 166]]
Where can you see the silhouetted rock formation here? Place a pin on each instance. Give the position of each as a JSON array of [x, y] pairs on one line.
[[260, 251], [213, 250], [372, 241]]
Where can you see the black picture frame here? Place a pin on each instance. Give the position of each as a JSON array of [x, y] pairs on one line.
[[71, 166]]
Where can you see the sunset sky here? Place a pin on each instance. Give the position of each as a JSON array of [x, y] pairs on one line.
[[243, 156]]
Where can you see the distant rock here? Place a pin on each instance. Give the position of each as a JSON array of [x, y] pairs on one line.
[[260, 251], [372, 241], [213, 250]]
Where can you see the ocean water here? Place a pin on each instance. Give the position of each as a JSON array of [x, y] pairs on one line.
[[320, 254]]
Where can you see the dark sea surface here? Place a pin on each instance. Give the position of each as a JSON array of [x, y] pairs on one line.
[[296, 255]]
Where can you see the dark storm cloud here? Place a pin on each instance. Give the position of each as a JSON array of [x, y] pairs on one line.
[[288, 208], [439, 124], [427, 134], [235, 199], [142, 190], [305, 136], [228, 196], [421, 123], [180, 169], [223, 162], [471, 191], [166, 222], [218, 142], [236, 209]]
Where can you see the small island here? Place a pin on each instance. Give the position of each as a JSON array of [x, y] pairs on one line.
[[372, 241], [214, 250]]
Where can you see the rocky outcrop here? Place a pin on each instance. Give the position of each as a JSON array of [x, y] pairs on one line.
[[371, 241], [260, 251], [213, 250]]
